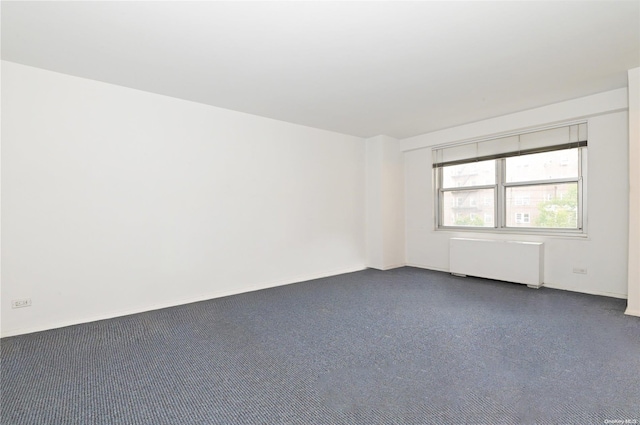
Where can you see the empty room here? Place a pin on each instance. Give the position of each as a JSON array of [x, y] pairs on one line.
[[320, 212]]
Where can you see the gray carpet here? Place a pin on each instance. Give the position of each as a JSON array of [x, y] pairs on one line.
[[406, 346]]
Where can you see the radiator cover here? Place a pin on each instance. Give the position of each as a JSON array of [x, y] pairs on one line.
[[511, 261]]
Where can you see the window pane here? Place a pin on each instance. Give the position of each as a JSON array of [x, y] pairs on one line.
[[543, 206], [472, 208], [542, 166], [471, 174]]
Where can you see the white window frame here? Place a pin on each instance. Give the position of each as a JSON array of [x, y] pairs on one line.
[[500, 207]]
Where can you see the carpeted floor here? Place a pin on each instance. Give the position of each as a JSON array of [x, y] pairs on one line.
[[406, 346]]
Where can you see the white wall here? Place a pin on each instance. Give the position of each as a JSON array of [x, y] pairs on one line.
[[603, 252], [384, 203], [116, 200], [633, 303]]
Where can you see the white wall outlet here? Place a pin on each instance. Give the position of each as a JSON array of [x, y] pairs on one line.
[[580, 270], [25, 302]]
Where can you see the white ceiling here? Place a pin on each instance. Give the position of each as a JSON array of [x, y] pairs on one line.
[[360, 68]]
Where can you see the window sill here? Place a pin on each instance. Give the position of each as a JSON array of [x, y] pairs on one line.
[[546, 233]]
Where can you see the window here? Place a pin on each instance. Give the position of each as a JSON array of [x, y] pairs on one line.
[[523, 182], [461, 195]]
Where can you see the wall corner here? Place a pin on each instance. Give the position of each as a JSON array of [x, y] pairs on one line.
[[633, 295], [384, 203]]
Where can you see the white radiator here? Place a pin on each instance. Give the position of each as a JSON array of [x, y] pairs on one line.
[[511, 261]]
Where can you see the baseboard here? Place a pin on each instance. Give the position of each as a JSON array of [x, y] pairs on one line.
[[590, 292], [632, 312], [547, 285], [420, 266], [395, 266], [182, 301]]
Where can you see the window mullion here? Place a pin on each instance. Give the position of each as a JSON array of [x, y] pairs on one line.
[[466, 188], [542, 182], [500, 195], [580, 189], [438, 198]]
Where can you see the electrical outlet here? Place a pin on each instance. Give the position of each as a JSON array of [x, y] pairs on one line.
[[25, 302], [580, 270]]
